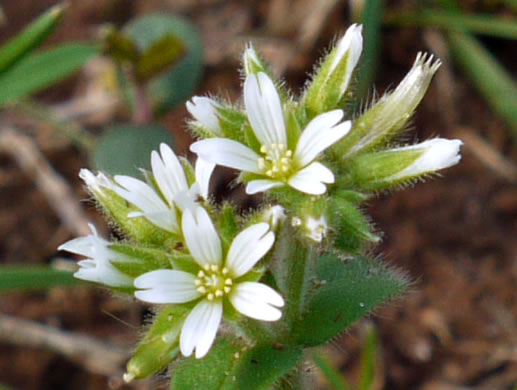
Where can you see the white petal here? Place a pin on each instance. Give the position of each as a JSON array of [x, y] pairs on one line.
[[85, 245], [227, 153], [264, 109], [250, 59], [204, 111], [166, 286], [248, 248], [256, 300], [147, 200], [438, 153], [200, 328], [310, 179], [201, 237], [319, 134], [168, 173], [256, 186], [204, 171], [95, 183]]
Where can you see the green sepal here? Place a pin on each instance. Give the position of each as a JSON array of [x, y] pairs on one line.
[[293, 129], [227, 225], [350, 228], [350, 196], [375, 171], [190, 173], [343, 292], [139, 229], [231, 121], [160, 345], [138, 260], [251, 139], [324, 92]]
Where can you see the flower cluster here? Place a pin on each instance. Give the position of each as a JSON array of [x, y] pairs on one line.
[[313, 161]]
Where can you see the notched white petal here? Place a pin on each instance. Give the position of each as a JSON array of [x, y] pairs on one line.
[[228, 153], [256, 186], [310, 179], [248, 248], [258, 301], [201, 237]]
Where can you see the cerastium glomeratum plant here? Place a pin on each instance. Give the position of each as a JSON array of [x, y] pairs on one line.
[[240, 297]]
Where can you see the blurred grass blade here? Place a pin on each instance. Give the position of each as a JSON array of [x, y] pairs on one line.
[[331, 374], [33, 278], [489, 77], [29, 38], [371, 19], [478, 24], [41, 70], [368, 359]]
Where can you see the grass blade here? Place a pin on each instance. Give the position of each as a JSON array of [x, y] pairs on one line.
[[331, 374], [29, 38], [41, 70], [33, 278], [490, 78], [477, 24]]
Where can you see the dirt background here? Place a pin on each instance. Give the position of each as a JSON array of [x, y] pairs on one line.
[[455, 235]]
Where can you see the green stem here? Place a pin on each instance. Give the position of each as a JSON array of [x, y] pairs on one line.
[[79, 136]]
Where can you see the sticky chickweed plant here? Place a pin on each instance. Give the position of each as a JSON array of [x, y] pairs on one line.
[[241, 297]]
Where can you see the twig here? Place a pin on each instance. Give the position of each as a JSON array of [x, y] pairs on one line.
[[58, 193], [95, 355]]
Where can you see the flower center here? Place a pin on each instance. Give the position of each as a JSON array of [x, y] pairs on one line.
[[277, 160], [213, 282]]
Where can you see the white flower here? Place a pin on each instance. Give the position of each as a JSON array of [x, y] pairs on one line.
[[348, 49], [97, 268], [276, 163], [172, 183], [204, 111], [219, 277], [437, 153], [316, 228]]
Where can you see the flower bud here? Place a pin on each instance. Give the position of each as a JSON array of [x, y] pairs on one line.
[[159, 346], [390, 115], [251, 62], [392, 167], [330, 83], [103, 190], [204, 111]]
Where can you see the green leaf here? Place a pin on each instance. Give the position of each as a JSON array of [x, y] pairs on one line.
[[175, 85], [490, 78], [43, 69], [34, 278], [162, 54], [207, 373], [124, 149], [473, 23], [261, 367], [29, 38], [229, 366], [343, 293]]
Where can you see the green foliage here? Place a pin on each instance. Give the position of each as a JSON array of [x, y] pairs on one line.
[[331, 373], [41, 70], [231, 366], [34, 278], [32, 35], [344, 291], [139, 260], [125, 149], [159, 34]]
